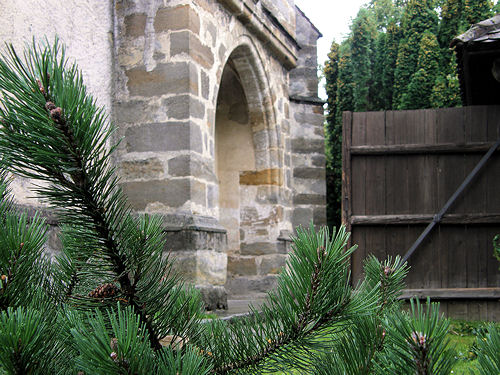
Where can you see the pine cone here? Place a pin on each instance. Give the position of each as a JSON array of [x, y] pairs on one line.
[[56, 114], [49, 106], [104, 291]]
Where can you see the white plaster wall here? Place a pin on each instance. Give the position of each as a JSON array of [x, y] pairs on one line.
[[84, 26]]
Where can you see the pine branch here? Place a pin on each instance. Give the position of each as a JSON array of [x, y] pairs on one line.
[[53, 131], [313, 296]]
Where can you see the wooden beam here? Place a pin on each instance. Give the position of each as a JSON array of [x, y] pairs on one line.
[[408, 149], [452, 219], [452, 293], [346, 171]]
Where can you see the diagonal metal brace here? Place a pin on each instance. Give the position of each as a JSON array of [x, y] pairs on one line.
[[438, 217]]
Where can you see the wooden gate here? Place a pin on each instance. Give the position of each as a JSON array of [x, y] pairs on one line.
[[399, 170]]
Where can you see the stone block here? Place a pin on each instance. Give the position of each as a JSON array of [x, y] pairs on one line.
[[191, 165], [309, 173], [194, 239], [168, 136], [318, 161], [177, 18], [135, 24], [133, 111], [171, 193], [319, 215], [241, 286], [258, 248], [188, 43], [148, 168], [264, 177], [171, 78], [306, 146], [272, 264], [205, 85], [182, 107], [308, 199], [212, 196], [214, 297], [244, 266], [302, 216], [211, 267], [309, 118], [185, 263], [199, 193]]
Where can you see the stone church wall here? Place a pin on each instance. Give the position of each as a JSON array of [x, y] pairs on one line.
[[216, 102]]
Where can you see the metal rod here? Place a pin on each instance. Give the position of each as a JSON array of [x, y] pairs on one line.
[[437, 218]]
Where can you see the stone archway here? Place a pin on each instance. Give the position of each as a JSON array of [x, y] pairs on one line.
[[234, 150], [249, 172]]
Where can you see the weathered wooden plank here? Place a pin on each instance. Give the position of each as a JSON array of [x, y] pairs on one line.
[[476, 120], [418, 183], [450, 125], [472, 256], [375, 128], [375, 189], [359, 128], [430, 126], [419, 148], [409, 219], [375, 243], [457, 271], [397, 179], [358, 185], [458, 309], [358, 238], [346, 170], [474, 195]]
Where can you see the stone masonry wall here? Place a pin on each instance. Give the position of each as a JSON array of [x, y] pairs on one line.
[[157, 66], [307, 145]]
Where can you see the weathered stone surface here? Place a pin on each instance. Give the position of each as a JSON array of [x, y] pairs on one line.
[[243, 266], [168, 136], [309, 199], [309, 118], [199, 193], [182, 107], [194, 239], [135, 24], [263, 177], [186, 42], [246, 285], [211, 267], [272, 264], [318, 161], [172, 193], [319, 216], [148, 168], [302, 216], [310, 173], [258, 248], [190, 165], [214, 297], [171, 78], [305, 146], [205, 85], [132, 111], [177, 18]]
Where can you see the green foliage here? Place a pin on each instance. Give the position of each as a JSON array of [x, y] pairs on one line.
[[362, 44], [418, 342], [419, 17], [333, 135], [489, 354], [477, 10], [419, 90]]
